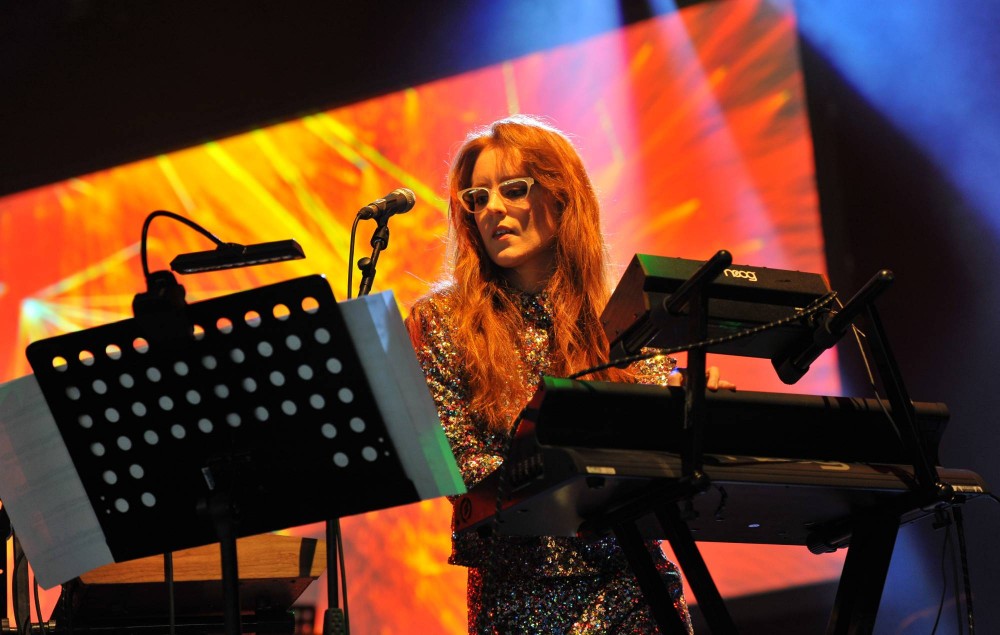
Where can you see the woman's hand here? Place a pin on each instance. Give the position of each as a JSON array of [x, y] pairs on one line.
[[713, 381]]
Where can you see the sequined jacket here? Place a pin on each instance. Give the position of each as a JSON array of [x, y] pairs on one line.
[[479, 451]]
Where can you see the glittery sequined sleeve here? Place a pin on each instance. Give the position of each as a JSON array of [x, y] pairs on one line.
[[476, 453], [655, 370]]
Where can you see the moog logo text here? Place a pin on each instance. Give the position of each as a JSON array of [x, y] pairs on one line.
[[736, 273]]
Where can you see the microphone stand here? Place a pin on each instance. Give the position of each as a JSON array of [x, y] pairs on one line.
[[334, 622], [379, 241]]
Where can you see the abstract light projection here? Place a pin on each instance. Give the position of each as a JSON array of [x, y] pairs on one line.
[[692, 125]]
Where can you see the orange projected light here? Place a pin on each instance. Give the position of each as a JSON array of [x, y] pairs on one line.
[[691, 124]]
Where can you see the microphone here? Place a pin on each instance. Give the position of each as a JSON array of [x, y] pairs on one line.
[[795, 363], [398, 201]]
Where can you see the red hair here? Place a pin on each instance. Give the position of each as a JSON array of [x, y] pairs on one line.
[[486, 320]]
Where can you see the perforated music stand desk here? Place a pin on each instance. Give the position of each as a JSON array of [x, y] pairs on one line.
[[259, 400]]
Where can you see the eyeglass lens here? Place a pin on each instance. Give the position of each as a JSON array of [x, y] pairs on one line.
[[514, 191]]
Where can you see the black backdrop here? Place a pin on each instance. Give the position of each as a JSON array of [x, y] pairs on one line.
[[88, 84]]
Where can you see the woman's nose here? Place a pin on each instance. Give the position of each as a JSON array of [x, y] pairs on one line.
[[495, 203]]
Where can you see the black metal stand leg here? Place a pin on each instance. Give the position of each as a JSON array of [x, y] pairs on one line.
[[333, 619], [222, 512], [230, 586], [168, 580], [654, 590], [693, 294], [698, 576], [694, 394], [902, 407], [863, 578]]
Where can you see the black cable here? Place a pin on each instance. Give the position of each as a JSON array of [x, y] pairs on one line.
[[958, 598], [723, 499], [967, 582], [42, 623], [340, 540], [816, 305], [14, 590], [22, 611], [944, 578], [858, 334], [350, 255], [176, 217]]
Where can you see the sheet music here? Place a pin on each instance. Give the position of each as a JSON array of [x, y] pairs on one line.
[[41, 490], [401, 393]]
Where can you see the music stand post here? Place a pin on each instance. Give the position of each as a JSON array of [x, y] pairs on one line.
[[182, 441]]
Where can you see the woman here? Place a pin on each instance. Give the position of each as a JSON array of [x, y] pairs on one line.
[[528, 282]]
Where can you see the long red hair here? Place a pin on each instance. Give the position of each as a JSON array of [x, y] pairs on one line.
[[486, 320]]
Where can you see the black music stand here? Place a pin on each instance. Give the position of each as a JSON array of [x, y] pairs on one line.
[[254, 413]]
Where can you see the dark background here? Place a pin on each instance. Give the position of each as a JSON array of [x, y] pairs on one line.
[[907, 179]]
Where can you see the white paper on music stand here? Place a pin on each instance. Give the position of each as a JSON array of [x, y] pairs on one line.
[[401, 393], [43, 494]]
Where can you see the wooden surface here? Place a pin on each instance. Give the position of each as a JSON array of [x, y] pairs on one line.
[[259, 557]]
